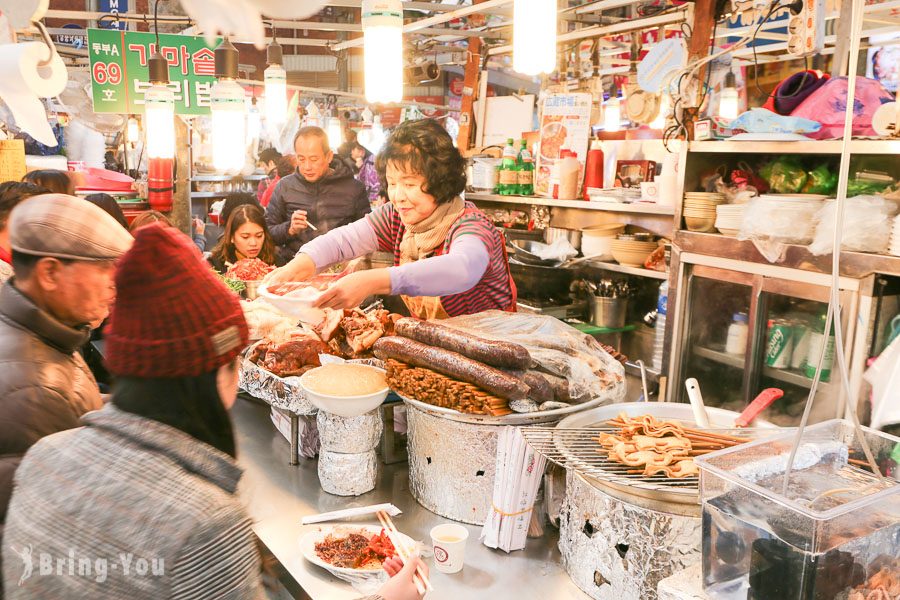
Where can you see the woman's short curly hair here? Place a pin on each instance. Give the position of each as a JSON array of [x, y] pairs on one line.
[[425, 148]]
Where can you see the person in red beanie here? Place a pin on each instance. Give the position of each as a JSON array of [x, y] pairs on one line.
[[152, 475]]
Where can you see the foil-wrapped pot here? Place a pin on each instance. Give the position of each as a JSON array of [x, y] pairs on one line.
[[347, 474], [350, 435], [280, 392]]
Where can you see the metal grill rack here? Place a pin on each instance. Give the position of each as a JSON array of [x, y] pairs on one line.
[[578, 449]]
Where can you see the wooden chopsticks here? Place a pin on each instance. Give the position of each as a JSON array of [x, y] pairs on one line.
[[420, 579]]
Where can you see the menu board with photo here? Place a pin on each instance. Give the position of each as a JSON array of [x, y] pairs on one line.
[[565, 124]]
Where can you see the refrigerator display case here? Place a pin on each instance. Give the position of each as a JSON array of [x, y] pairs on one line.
[[742, 327]]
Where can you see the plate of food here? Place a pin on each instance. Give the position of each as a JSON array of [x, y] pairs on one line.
[[298, 298], [350, 549]]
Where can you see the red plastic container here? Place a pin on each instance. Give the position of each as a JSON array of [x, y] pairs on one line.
[[593, 168]]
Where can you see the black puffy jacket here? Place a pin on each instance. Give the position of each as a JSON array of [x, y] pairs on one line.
[[335, 200]]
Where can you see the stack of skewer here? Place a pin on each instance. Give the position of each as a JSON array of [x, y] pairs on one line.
[[660, 447]]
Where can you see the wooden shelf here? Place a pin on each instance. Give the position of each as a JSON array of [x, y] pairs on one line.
[[636, 208], [801, 147], [227, 177], [209, 194]]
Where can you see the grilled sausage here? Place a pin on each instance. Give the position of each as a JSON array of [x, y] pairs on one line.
[[452, 365], [490, 352], [541, 390]]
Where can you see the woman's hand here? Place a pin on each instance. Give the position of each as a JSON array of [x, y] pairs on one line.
[[300, 268], [400, 586], [351, 290]]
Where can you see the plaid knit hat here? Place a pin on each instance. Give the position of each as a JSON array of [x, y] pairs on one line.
[[172, 316]]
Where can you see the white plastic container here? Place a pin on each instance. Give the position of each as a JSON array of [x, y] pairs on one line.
[[569, 170], [736, 341]]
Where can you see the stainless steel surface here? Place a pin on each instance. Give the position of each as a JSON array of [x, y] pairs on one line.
[[278, 496], [575, 309], [608, 312]]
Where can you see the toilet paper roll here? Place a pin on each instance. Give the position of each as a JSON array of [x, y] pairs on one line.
[[23, 81]]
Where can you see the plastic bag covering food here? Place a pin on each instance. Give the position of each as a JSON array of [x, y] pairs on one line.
[[784, 176], [821, 180], [555, 347], [867, 225], [760, 120]]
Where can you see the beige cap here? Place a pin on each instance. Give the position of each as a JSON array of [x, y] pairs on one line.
[[64, 226]]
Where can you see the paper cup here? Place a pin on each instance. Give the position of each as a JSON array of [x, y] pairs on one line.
[[649, 191], [449, 543]]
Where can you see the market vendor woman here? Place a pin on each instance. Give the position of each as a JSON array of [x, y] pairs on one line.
[[449, 259]]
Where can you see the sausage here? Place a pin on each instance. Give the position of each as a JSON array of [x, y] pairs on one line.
[[451, 364], [490, 352], [560, 387], [541, 390]]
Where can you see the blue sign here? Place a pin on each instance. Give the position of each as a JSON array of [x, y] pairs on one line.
[[112, 7]]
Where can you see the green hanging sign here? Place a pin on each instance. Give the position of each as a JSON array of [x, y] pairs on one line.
[[120, 76]]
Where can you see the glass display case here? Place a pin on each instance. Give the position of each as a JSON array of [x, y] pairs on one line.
[[742, 329]]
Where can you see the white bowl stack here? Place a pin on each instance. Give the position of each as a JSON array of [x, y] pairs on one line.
[[729, 218], [790, 218], [894, 248]]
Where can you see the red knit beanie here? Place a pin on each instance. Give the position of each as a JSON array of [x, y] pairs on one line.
[[172, 316]]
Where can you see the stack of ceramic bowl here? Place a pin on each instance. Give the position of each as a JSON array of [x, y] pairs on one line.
[[632, 250], [596, 241], [729, 217], [894, 248], [700, 210]]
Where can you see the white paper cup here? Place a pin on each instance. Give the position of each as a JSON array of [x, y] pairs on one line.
[[649, 191], [449, 543]]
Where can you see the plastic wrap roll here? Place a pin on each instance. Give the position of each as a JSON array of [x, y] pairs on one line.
[[350, 435], [347, 474]]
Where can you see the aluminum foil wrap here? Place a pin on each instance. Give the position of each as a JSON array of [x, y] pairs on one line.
[[350, 435], [451, 466], [281, 392], [614, 550], [347, 474]]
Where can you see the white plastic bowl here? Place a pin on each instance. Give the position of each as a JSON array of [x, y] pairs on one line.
[[344, 406], [300, 307]]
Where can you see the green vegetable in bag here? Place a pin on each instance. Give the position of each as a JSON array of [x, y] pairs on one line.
[[784, 176], [821, 180]]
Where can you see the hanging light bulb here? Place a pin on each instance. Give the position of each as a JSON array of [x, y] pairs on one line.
[[612, 112], [133, 131], [275, 78], [728, 99], [382, 22], [229, 123], [335, 133], [534, 36], [159, 122], [664, 107]]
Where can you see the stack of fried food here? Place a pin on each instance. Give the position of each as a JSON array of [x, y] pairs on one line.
[[660, 447]]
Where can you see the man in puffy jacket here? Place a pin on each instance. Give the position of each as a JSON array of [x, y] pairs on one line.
[[63, 256], [321, 195]]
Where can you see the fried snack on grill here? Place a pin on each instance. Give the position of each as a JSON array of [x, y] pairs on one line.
[[433, 388], [683, 468], [661, 447]]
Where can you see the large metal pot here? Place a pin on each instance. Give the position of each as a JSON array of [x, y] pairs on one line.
[[551, 234], [533, 281]]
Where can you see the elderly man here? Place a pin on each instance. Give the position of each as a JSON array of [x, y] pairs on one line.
[[321, 195], [63, 255]]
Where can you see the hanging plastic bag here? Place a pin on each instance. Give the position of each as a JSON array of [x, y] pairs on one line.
[[867, 225]]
